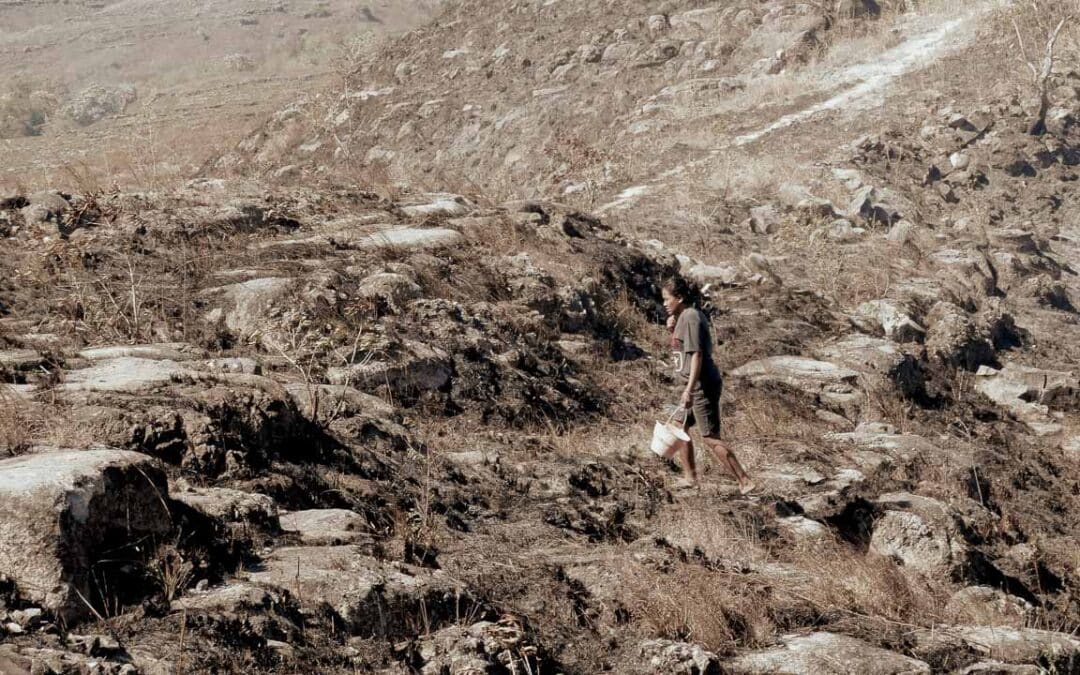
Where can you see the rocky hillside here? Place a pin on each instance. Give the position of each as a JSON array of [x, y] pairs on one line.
[[281, 425], [571, 99]]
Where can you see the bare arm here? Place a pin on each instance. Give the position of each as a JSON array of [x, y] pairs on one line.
[[695, 373]]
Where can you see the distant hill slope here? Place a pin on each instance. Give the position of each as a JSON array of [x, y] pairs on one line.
[[120, 86], [564, 99]]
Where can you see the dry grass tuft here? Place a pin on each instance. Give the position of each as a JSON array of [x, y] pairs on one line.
[[24, 424], [836, 581], [170, 571], [17, 424], [846, 275], [760, 414], [720, 611], [744, 601]]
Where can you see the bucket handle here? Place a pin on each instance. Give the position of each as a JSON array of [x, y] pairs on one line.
[[676, 412]]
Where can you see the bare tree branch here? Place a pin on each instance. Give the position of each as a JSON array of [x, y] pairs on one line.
[[1040, 22], [1023, 50]]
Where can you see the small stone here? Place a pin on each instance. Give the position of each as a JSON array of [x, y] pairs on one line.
[[764, 219], [960, 123], [801, 527], [28, 618], [842, 231], [901, 232], [960, 160]]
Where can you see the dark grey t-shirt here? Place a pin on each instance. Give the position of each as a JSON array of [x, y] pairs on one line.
[[692, 335]]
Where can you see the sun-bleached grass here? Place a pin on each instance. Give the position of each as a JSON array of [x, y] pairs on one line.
[[721, 611], [17, 424], [26, 423], [847, 275], [733, 593]]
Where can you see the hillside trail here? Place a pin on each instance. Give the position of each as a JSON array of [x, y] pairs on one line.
[[854, 89]]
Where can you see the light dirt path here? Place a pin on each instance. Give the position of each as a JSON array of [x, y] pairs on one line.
[[861, 87]]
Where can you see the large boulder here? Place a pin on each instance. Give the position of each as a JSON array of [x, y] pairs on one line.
[[911, 540], [878, 205], [858, 9], [326, 527], [97, 102], [62, 512], [484, 647], [164, 351], [764, 219], [1058, 652], [368, 596], [799, 372], [438, 204], [954, 339], [830, 384], [16, 364], [123, 375], [987, 606], [799, 199], [886, 317], [1027, 393], [999, 668], [965, 269], [208, 422], [317, 402], [48, 206], [410, 238], [233, 598], [698, 22], [875, 446], [722, 275], [245, 308], [920, 532], [391, 288], [825, 654], [231, 506], [411, 367], [877, 359], [678, 658]]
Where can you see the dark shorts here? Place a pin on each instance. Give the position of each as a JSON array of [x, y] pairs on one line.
[[705, 408]]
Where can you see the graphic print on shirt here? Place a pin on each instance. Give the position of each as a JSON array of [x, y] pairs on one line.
[[677, 354]]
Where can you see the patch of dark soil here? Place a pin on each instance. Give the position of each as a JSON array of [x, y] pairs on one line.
[[592, 479], [855, 524], [979, 569], [598, 523], [578, 595]]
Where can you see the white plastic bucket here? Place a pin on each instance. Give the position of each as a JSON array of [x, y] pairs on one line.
[[667, 438]]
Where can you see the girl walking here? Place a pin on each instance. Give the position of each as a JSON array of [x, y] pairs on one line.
[[692, 347]]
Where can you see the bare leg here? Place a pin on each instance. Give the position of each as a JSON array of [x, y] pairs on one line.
[[728, 460], [686, 461]]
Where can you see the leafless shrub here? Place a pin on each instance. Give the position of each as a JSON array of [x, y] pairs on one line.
[[1039, 25], [26, 108]]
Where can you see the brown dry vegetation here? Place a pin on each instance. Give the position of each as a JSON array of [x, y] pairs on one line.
[[557, 519]]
